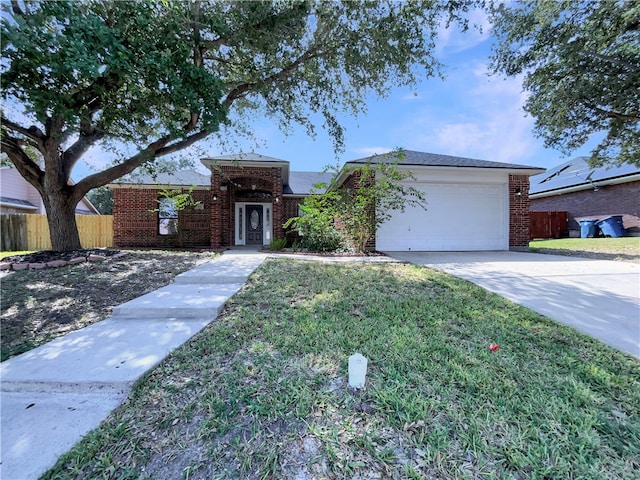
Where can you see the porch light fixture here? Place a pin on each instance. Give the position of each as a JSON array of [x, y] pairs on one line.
[[215, 197], [223, 187], [253, 187], [518, 191], [277, 199]]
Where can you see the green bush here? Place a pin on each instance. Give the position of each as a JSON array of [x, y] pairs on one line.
[[316, 226], [277, 244]]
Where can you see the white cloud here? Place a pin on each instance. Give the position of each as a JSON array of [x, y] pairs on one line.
[[453, 39], [484, 119], [371, 151], [411, 96]]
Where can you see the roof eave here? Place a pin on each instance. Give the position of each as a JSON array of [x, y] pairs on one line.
[[156, 186], [18, 205], [529, 171], [586, 186]]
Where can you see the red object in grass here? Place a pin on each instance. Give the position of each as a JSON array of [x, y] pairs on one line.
[[493, 347]]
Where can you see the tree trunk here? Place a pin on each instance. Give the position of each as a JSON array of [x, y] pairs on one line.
[[61, 216]]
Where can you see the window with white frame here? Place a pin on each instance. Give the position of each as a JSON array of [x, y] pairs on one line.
[[167, 216]]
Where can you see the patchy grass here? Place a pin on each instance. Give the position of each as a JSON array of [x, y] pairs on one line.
[[262, 392], [39, 305], [11, 254], [622, 249]]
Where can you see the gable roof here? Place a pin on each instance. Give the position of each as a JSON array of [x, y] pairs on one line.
[[184, 178], [301, 183], [437, 160], [576, 174], [248, 157], [18, 203]]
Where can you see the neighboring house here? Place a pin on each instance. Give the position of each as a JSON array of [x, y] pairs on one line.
[[589, 193], [19, 196], [472, 204]]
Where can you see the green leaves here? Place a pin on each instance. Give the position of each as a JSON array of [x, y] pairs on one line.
[[123, 65], [358, 206], [162, 75], [581, 65]]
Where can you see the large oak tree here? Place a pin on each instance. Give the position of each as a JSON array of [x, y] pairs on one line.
[[581, 67], [162, 75]]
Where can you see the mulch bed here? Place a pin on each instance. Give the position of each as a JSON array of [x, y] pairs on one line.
[[50, 256]]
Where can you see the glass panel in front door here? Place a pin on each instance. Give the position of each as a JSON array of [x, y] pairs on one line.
[[254, 224]]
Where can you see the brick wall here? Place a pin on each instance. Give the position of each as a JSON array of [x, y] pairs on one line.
[[622, 199], [239, 182], [290, 207], [518, 211], [136, 225]]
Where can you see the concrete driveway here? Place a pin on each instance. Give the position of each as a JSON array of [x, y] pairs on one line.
[[598, 297]]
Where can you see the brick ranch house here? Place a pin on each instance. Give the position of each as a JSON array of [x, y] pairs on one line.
[[585, 192], [472, 204]]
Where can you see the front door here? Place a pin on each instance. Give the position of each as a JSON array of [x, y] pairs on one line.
[[254, 224]]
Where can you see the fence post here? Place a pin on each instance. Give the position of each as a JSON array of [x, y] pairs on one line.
[[13, 228]]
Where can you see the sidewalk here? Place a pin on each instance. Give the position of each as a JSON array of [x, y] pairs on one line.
[[55, 394]]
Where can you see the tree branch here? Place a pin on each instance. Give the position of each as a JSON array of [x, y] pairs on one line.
[[615, 61], [99, 179], [187, 142], [80, 146], [15, 7], [611, 113], [91, 96], [108, 175], [242, 89], [29, 169], [33, 132]]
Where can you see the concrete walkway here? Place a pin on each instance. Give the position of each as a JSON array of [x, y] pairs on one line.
[[55, 394], [598, 297]]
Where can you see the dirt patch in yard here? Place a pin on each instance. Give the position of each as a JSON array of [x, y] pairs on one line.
[[39, 305]]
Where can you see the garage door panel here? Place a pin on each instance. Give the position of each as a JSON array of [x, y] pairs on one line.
[[458, 217]]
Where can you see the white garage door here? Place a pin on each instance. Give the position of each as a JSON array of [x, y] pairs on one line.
[[458, 217]]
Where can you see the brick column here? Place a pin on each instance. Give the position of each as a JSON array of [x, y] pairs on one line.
[[278, 206], [518, 212], [216, 212]]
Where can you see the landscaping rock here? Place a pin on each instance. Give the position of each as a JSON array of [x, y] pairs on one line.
[[5, 266], [56, 263], [37, 266], [20, 266], [96, 258], [76, 260], [119, 255]]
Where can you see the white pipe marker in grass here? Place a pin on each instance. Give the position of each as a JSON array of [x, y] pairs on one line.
[[357, 370]]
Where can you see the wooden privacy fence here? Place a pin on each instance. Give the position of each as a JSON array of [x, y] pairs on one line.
[[547, 224], [31, 232]]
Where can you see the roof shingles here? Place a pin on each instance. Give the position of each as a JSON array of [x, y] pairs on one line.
[[437, 160]]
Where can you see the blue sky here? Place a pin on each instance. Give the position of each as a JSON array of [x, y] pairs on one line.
[[469, 114]]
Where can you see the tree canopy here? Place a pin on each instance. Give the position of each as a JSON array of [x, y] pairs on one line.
[[162, 75], [581, 67]]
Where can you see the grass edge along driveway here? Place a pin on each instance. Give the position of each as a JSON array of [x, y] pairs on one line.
[[262, 392]]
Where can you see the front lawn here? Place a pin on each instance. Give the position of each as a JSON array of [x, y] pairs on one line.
[[262, 392], [624, 248]]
